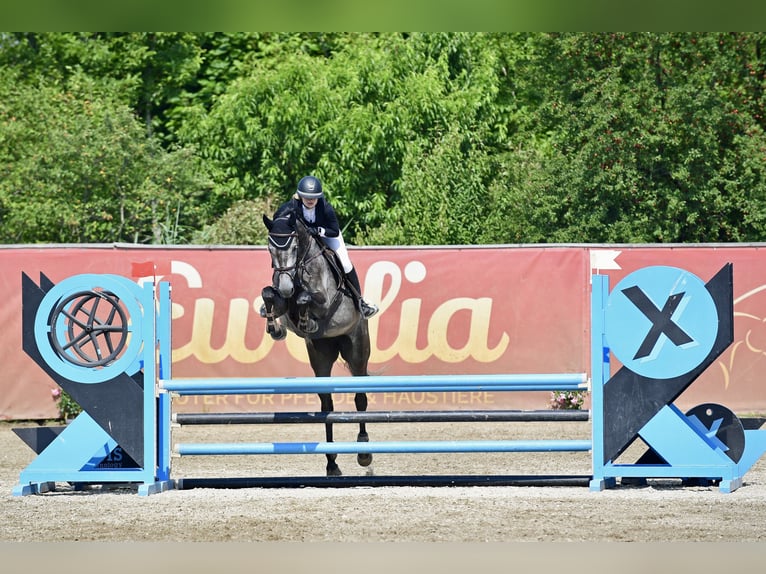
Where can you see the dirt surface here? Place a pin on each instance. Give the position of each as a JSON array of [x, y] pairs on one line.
[[662, 511]]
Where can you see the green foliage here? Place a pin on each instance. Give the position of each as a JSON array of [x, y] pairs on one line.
[[444, 191], [652, 140], [67, 407], [357, 120], [242, 224], [146, 71], [77, 167], [422, 138]]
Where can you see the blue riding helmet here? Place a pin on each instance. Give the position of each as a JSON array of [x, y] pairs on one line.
[[310, 187]]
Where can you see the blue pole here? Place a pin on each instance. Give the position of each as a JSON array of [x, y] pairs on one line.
[[373, 384], [382, 447]]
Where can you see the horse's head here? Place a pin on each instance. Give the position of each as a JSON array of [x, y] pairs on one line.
[[284, 251]]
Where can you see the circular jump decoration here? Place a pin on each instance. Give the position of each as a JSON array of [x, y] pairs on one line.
[[661, 322], [94, 336], [722, 428], [85, 327]]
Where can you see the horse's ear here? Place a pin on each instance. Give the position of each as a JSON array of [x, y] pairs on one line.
[[267, 222], [292, 218]]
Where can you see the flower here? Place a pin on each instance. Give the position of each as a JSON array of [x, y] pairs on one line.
[[567, 400], [68, 408]]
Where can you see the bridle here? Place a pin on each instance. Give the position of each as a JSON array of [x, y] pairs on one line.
[[300, 271], [281, 246], [301, 260]]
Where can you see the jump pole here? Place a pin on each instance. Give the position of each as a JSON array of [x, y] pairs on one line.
[[373, 384], [691, 457], [434, 446], [339, 417], [378, 481]]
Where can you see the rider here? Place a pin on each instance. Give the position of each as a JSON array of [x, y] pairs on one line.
[[310, 205]]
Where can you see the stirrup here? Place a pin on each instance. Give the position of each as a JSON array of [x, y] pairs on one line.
[[368, 310]]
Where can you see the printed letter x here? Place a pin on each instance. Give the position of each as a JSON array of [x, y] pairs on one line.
[[661, 320]]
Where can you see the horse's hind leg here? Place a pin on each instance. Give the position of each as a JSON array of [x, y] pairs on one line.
[[356, 352], [326, 404], [363, 458]]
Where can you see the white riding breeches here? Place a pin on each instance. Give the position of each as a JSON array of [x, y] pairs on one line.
[[339, 246]]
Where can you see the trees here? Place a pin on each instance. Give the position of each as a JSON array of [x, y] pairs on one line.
[[358, 120], [76, 166], [652, 138], [480, 138]]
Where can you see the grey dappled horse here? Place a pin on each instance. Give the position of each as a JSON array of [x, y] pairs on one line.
[[307, 296]]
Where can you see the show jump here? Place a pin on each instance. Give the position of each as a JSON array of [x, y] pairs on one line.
[[106, 341]]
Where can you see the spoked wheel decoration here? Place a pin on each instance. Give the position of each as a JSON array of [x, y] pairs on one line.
[[95, 328], [89, 328]]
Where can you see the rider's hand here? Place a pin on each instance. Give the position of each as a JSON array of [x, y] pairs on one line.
[[316, 231]]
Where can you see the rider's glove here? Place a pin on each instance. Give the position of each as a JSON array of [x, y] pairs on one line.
[[317, 231]]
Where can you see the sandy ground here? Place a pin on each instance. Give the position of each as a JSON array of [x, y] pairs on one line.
[[662, 511]]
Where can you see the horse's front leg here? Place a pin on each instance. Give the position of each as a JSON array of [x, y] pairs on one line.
[[325, 400], [305, 322], [363, 458], [275, 306]]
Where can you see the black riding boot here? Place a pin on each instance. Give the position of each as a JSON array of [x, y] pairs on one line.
[[364, 307]]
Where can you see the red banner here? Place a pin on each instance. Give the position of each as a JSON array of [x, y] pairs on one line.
[[443, 310]]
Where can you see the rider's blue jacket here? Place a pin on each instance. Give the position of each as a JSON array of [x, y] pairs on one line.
[[324, 214]]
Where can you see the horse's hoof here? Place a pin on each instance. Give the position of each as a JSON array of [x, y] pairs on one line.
[[310, 327], [334, 471], [277, 333], [280, 335], [364, 458]]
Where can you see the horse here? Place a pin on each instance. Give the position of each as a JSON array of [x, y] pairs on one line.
[[309, 297]]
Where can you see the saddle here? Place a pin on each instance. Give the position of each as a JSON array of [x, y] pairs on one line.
[[335, 266]]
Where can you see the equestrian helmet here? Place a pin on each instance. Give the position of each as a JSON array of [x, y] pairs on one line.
[[310, 187]]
